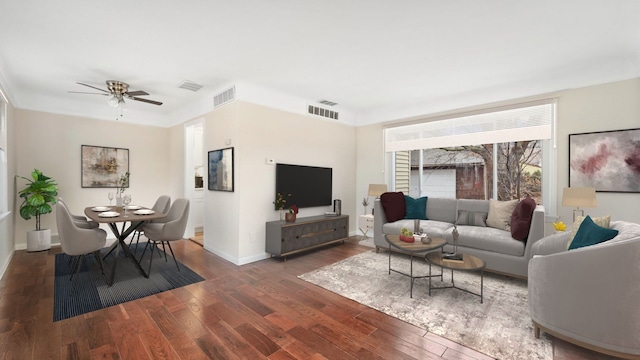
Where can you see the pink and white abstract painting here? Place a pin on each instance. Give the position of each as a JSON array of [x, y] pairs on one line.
[[609, 161]]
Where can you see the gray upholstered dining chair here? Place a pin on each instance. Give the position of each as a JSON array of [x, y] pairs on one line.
[[80, 220], [77, 241], [162, 205], [172, 228]]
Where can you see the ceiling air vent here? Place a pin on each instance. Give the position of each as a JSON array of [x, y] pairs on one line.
[[327, 102], [190, 85], [315, 110], [224, 97]]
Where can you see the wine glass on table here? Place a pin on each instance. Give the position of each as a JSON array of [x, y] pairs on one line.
[[110, 196], [126, 201]]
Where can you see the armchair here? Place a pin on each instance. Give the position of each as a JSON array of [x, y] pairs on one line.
[[589, 296]]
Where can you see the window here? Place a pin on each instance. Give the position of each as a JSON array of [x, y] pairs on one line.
[[496, 154]]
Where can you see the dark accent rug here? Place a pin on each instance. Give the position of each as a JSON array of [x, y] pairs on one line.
[[92, 292], [499, 327]]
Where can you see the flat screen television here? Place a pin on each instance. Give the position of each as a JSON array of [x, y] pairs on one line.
[[309, 186]]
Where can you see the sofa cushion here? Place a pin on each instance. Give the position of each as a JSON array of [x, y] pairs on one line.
[[441, 209], [521, 218], [473, 218], [394, 205], [603, 221], [500, 214], [487, 239], [590, 233], [415, 208]]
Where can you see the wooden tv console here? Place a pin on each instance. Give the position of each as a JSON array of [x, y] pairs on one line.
[[305, 233]]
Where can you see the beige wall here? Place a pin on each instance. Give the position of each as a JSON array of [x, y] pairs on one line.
[[611, 106], [235, 222], [52, 143]]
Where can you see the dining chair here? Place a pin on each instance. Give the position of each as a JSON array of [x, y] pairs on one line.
[[171, 229], [77, 241], [80, 220], [162, 205]]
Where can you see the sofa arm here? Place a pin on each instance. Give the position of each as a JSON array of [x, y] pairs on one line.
[[589, 295], [551, 244], [379, 219], [536, 230]]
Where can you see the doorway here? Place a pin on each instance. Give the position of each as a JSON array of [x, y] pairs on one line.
[[195, 178]]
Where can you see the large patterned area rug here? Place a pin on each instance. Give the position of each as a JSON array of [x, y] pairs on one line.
[[92, 292], [499, 327]]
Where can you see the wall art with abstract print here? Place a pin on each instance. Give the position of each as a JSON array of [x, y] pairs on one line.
[[608, 161]]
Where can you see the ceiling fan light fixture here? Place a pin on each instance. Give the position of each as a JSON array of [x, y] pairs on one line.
[[113, 101]]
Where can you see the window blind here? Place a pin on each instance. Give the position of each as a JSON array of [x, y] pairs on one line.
[[530, 121]]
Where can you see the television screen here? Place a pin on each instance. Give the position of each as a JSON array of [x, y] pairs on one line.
[[309, 186]]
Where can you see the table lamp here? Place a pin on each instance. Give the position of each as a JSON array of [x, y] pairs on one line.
[[579, 197], [376, 190]]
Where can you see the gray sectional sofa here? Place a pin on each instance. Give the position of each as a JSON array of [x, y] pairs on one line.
[[589, 296], [496, 247]]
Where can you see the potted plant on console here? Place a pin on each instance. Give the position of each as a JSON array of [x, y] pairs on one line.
[[39, 195]]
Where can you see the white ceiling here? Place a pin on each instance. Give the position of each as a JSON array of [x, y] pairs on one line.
[[379, 59]]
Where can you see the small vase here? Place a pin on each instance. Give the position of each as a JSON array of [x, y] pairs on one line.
[[282, 216], [290, 217], [119, 203]]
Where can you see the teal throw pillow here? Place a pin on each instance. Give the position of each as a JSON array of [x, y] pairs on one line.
[[590, 233], [416, 208]]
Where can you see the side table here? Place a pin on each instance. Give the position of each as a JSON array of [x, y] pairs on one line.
[[469, 263], [365, 223]]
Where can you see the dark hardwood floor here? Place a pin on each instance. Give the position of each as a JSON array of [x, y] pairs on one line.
[[256, 311]]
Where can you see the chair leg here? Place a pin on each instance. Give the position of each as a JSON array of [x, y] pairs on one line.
[[164, 249], [174, 256], [151, 258], [77, 275], [74, 266], [99, 258], [137, 240]]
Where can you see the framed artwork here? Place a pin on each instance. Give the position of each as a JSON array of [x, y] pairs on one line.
[[221, 169], [608, 161], [102, 167]]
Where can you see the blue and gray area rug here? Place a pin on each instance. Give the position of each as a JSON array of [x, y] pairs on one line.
[[93, 293]]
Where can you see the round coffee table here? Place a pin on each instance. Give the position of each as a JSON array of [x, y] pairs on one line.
[[468, 263], [412, 249]]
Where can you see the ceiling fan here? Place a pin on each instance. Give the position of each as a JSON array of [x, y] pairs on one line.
[[118, 91]]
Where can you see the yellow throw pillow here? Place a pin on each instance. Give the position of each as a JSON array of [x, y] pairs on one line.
[[500, 214], [602, 221]]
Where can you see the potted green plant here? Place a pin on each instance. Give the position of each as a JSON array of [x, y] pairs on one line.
[[121, 184], [38, 196]]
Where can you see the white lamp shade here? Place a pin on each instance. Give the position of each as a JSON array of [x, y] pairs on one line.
[[579, 197], [377, 189]]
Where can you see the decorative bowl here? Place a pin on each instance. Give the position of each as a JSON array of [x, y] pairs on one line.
[[408, 239]]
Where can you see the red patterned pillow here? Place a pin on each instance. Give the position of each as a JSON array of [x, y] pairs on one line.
[[521, 219], [394, 205]]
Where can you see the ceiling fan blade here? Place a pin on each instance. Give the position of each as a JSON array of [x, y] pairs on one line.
[[93, 87], [146, 100], [82, 92], [137, 93]]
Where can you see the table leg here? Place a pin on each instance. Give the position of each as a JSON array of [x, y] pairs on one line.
[[481, 285], [430, 279], [389, 259], [121, 237], [411, 276]]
